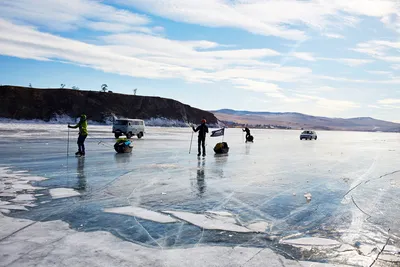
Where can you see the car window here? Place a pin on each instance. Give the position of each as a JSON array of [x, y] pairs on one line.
[[121, 122]]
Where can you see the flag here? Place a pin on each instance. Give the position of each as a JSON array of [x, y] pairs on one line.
[[217, 133]]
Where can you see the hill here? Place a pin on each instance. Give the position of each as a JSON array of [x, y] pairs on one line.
[[293, 120], [24, 103]]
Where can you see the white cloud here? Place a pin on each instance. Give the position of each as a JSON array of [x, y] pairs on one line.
[[303, 55], [395, 66], [267, 17], [389, 101], [352, 62], [379, 72], [148, 56], [333, 35], [381, 50], [120, 28], [330, 104], [70, 15], [326, 89], [258, 86]]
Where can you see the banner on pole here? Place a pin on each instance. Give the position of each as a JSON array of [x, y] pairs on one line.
[[217, 133]]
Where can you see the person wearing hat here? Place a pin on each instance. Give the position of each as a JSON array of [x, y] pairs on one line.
[[203, 130], [83, 132]]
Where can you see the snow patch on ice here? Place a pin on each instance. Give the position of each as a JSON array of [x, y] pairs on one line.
[[5, 211], [221, 213], [259, 226], [23, 198], [63, 193], [13, 207], [16, 184], [210, 221], [311, 241], [142, 213]]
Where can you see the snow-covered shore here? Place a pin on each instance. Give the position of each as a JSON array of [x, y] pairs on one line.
[[63, 119]]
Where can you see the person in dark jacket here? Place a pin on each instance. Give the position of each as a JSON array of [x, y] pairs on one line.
[[203, 130], [83, 132], [247, 130]]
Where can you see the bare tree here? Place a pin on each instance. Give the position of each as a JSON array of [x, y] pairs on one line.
[[104, 87], [62, 86], [75, 87], [134, 91], [30, 85]]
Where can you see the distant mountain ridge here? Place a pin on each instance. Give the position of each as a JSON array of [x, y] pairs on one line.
[[297, 120]]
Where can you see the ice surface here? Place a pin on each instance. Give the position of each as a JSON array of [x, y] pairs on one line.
[[142, 213], [63, 193], [210, 221], [53, 242], [253, 197]]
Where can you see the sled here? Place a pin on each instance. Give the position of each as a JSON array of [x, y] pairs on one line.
[[221, 148], [123, 145], [250, 138]]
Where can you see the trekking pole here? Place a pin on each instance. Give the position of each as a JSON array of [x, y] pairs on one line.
[[191, 140], [68, 144]]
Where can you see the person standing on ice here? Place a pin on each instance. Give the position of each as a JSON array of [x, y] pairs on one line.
[[247, 130], [203, 130], [83, 132]]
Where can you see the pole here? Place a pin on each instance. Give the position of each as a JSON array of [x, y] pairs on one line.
[[68, 144], [191, 140]]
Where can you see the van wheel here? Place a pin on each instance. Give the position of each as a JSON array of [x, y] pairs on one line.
[[140, 135], [129, 135], [117, 135]]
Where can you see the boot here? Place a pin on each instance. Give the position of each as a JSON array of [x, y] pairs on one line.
[[78, 153]]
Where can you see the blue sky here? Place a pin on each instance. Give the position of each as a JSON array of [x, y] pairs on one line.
[[329, 58]]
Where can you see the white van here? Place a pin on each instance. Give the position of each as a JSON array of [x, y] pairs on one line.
[[128, 127]]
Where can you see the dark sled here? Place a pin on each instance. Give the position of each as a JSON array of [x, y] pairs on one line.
[[250, 138], [221, 148]]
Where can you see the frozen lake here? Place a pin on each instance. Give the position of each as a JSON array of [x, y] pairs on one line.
[[331, 200]]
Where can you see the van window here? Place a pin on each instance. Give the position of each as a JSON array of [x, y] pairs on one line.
[[121, 122]]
